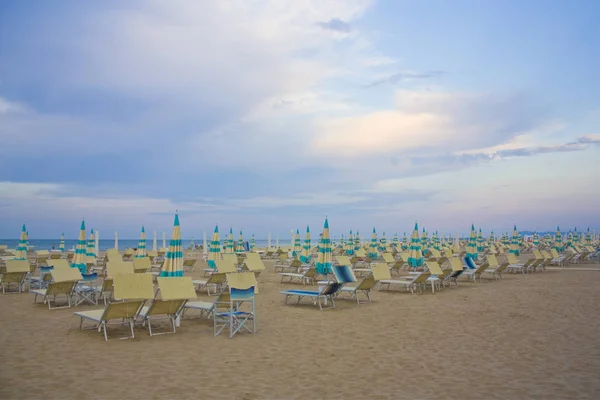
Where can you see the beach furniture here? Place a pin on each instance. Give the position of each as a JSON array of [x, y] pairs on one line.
[[321, 297], [216, 280], [305, 277], [515, 266], [364, 286], [288, 266], [64, 281], [86, 289], [224, 266], [473, 271], [174, 294], [189, 263], [435, 280], [253, 263], [15, 275], [134, 290], [495, 269], [236, 309], [141, 265], [382, 275]]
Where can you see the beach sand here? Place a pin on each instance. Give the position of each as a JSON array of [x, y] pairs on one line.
[[523, 337]]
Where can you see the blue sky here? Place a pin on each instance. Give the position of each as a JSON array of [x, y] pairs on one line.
[[270, 115]]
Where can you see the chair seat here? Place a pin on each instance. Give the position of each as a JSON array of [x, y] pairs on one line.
[[310, 293], [199, 305], [94, 315], [200, 281], [41, 292]]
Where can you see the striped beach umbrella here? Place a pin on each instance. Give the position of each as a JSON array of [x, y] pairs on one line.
[[297, 244], [141, 249], [253, 243], [492, 239], [90, 252], [435, 239], [80, 251], [472, 245], [215, 248], [357, 241], [383, 244], [229, 246], [424, 241], [515, 247], [61, 246], [536, 239], [558, 241], [396, 241], [325, 259], [21, 253], [588, 238], [305, 256], [350, 244], [404, 242], [373, 246], [173, 265], [415, 256], [480, 247], [569, 239], [239, 248], [576, 236]]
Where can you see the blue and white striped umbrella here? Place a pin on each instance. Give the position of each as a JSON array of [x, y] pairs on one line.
[[305, 256], [588, 238], [325, 259], [215, 248], [90, 252], [141, 250], [415, 256], [515, 247], [173, 265], [435, 240], [21, 253], [396, 241], [350, 244], [357, 241], [383, 243], [536, 239], [239, 248], [480, 247], [229, 246], [424, 242], [253, 244], [472, 245], [373, 246], [558, 241], [297, 250], [61, 246], [80, 251]]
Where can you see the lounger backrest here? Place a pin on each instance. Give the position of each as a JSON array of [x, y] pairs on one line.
[[492, 261], [133, 286], [225, 266], [230, 257], [360, 253], [344, 274], [115, 268], [343, 260], [434, 268], [216, 278], [367, 283], [188, 262], [17, 266], [126, 309], [470, 263], [388, 258], [176, 288], [168, 307], [435, 253], [66, 275], [511, 258], [65, 287], [381, 272], [254, 264], [456, 264], [141, 264], [537, 254], [404, 256], [554, 253], [422, 278], [546, 255], [331, 288]]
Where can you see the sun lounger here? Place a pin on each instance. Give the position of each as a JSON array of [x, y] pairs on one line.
[[253, 263], [319, 297], [381, 273], [64, 281], [364, 287], [224, 266], [494, 268], [141, 265], [473, 271], [216, 281], [515, 266], [15, 275], [135, 289], [307, 276]]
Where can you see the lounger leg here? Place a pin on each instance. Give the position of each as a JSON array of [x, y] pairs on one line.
[[131, 322], [104, 329]]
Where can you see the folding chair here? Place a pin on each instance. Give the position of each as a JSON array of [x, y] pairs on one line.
[[241, 291]]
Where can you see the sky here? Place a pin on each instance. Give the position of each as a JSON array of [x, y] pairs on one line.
[[270, 115]]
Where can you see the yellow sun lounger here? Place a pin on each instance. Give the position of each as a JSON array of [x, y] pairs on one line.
[[15, 275], [63, 283]]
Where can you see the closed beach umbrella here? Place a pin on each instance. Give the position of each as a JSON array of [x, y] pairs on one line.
[[373, 246], [383, 243], [305, 256], [229, 246], [492, 239], [90, 252], [22, 246], [424, 241], [141, 250], [61, 246], [80, 251], [324, 261], [558, 242], [569, 239], [436, 240], [472, 245], [297, 244], [415, 256], [480, 247], [173, 265], [404, 242], [215, 248], [349, 247], [357, 241], [515, 248], [396, 241], [536, 239], [588, 238], [253, 243], [240, 244]]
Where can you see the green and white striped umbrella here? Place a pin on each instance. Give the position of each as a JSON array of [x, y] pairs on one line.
[[472, 245], [90, 253], [396, 241], [253, 244], [436, 240], [569, 239], [61, 246], [350, 244], [141, 249], [21, 253], [305, 256], [588, 238], [415, 256], [297, 251], [240, 244], [215, 248], [80, 251], [357, 241], [424, 241], [515, 247], [492, 239], [576, 237], [325, 260], [480, 247], [558, 241], [229, 246], [173, 265], [373, 246], [536, 239], [405, 242], [383, 243]]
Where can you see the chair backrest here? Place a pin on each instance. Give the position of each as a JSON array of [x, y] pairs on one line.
[[141, 264], [367, 283], [554, 253], [435, 253], [470, 263], [225, 266], [168, 307], [343, 274], [242, 282], [492, 261], [66, 275], [388, 258], [546, 255], [512, 259], [254, 263], [125, 309], [331, 289], [434, 268], [381, 272], [115, 268], [113, 255], [133, 286], [55, 255], [216, 278], [187, 262], [230, 257], [129, 252], [537, 254], [176, 288], [422, 278], [17, 266], [404, 256], [64, 287], [360, 253], [343, 260], [456, 264], [61, 263]]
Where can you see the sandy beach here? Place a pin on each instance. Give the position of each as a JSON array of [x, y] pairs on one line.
[[522, 337]]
